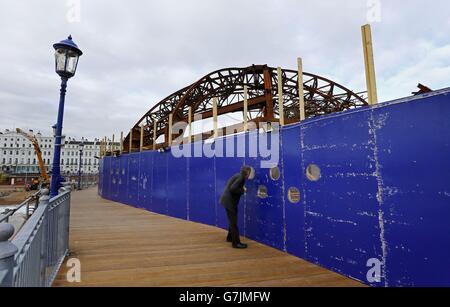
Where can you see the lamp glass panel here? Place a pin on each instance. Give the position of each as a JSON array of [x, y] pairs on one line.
[[60, 58], [72, 61]]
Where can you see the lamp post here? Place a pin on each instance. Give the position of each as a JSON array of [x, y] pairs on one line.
[[67, 54], [80, 164]]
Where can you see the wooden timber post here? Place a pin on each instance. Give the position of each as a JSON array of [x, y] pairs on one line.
[[113, 147], [155, 126], [301, 93], [141, 143], [130, 150], [280, 97], [169, 143], [369, 64], [215, 118], [190, 125], [245, 108], [121, 142]]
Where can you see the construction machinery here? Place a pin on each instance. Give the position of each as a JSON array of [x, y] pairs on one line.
[[44, 180]]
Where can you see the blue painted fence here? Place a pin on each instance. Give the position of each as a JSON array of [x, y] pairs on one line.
[[383, 193]]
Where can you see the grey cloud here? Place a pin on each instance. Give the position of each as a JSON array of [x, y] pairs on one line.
[[138, 52]]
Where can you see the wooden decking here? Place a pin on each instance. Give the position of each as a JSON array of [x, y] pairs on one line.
[[119, 245]]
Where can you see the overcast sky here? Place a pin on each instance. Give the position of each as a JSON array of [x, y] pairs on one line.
[[138, 52]]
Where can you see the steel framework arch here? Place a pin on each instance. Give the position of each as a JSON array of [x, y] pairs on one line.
[[322, 96]]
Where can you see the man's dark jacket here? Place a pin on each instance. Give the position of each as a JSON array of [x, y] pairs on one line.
[[233, 192]]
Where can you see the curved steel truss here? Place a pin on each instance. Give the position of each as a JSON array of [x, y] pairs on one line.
[[322, 96]]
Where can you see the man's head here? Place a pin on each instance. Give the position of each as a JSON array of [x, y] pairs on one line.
[[246, 171]]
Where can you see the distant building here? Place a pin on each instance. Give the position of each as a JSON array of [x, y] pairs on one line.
[[17, 154]]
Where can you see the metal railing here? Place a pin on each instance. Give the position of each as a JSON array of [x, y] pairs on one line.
[[8, 213], [87, 181], [33, 257]]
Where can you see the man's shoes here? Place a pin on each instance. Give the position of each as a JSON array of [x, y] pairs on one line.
[[240, 246], [229, 240]]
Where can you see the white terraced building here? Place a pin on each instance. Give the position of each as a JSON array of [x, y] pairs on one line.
[[17, 154]]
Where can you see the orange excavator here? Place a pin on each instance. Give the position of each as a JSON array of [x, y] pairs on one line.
[[44, 180]]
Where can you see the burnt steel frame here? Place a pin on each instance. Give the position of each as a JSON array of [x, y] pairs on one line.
[[322, 96]]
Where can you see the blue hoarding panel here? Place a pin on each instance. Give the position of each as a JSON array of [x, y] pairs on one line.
[[107, 177], [372, 184], [177, 187], [292, 177], [264, 220], [160, 183], [202, 194], [133, 178], [413, 154], [110, 172], [100, 177], [145, 180], [123, 179], [342, 212], [116, 182]]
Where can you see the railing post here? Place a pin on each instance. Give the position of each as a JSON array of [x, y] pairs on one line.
[[28, 210], [44, 200], [46, 251], [46, 255], [67, 186], [7, 253], [61, 190], [36, 204]]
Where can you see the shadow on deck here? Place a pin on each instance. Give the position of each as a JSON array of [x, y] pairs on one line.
[[119, 245]]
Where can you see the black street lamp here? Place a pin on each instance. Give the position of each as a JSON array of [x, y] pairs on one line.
[[67, 54], [81, 145]]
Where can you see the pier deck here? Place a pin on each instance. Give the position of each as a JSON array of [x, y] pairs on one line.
[[119, 245]]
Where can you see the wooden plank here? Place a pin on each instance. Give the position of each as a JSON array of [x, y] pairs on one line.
[[280, 97], [169, 143], [118, 245], [155, 126], [369, 64], [113, 146], [121, 142], [190, 125], [215, 119], [245, 108], [301, 92], [130, 149], [141, 142]]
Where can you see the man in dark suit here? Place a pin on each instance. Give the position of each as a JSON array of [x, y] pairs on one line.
[[234, 189]]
